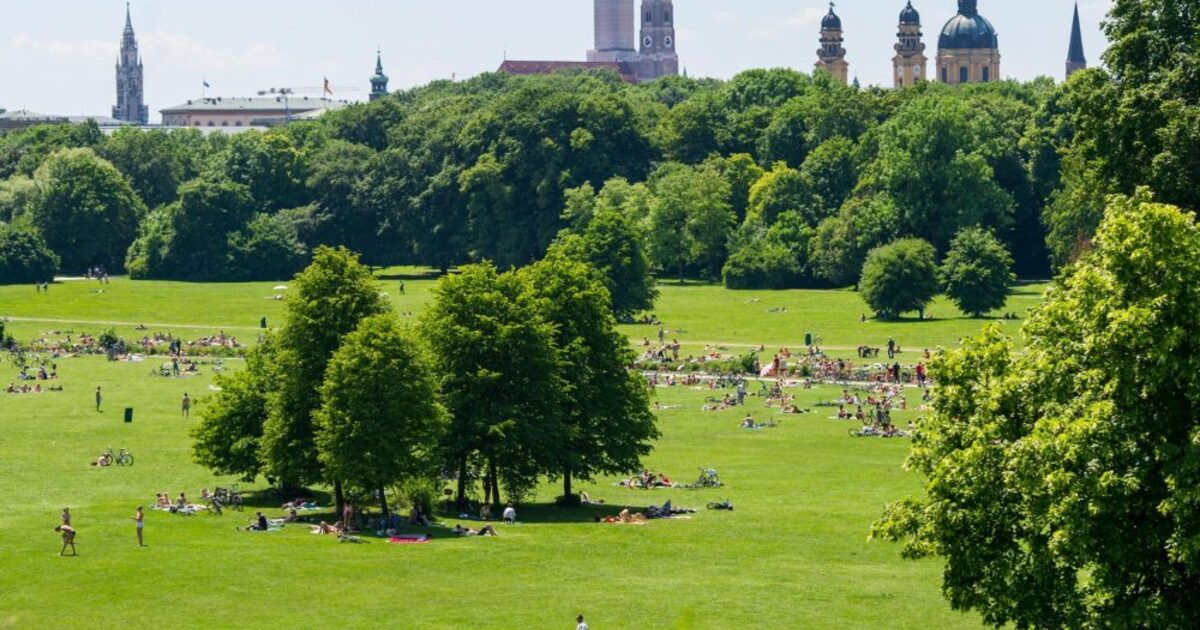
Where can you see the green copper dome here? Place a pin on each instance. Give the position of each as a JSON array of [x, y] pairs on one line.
[[968, 30]]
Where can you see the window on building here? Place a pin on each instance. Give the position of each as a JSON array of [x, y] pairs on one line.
[[945, 76], [238, 124], [987, 74], [900, 82], [667, 17], [210, 123], [224, 123], [963, 74], [649, 16]]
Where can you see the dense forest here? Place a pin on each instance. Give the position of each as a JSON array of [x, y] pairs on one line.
[[774, 178]]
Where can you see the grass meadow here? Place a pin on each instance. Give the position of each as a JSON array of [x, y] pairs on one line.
[[793, 554]]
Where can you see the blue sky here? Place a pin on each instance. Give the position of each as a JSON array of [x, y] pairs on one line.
[[57, 56]]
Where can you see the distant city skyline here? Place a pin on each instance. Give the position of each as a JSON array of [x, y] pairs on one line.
[[58, 56]]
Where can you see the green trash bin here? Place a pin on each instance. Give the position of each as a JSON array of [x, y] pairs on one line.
[[129, 414], [808, 339], [262, 323]]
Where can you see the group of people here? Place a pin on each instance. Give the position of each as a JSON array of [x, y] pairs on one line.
[[68, 532], [26, 388], [97, 273], [647, 480]]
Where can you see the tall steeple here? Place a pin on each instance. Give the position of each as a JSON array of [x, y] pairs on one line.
[[832, 56], [130, 106], [379, 82], [1076, 61]]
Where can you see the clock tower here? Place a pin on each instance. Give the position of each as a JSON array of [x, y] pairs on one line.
[[130, 106], [909, 64], [657, 56]]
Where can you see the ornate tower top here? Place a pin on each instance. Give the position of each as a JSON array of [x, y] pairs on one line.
[[379, 82], [968, 7], [831, 57], [1076, 60], [130, 106]]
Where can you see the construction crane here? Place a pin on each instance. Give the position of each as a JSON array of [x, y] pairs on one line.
[[287, 92]]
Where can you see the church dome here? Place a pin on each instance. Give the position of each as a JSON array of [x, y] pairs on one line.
[[909, 15], [968, 30], [831, 22]]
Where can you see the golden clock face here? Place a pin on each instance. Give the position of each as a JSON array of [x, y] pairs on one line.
[[648, 41], [668, 42]]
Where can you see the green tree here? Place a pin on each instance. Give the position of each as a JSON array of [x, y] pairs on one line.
[[499, 372], [24, 256], [228, 438], [613, 246], [156, 162], [16, 196], [840, 244], [1061, 480], [86, 210], [900, 277], [324, 303], [267, 249], [781, 190], [605, 411], [977, 272], [380, 421]]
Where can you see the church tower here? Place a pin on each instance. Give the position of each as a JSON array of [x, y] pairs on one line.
[[657, 57], [379, 82], [968, 48], [1076, 61], [910, 61], [832, 56], [614, 20], [129, 107]]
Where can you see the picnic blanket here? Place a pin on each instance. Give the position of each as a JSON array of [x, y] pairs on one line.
[[409, 540]]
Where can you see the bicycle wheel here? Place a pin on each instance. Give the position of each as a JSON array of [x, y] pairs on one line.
[[125, 459]]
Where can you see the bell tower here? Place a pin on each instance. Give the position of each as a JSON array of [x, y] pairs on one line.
[[657, 56], [832, 55], [130, 106], [379, 82], [910, 62]]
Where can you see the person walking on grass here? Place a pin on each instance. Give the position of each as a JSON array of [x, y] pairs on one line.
[[186, 405], [68, 539], [580, 624], [98, 399], [139, 519]]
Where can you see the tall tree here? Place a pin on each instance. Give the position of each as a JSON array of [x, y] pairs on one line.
[[605, 412], [324, 303], [499, 374], [613, 246], [86, 210], [1061, 481], [228, 438], [380, 421]]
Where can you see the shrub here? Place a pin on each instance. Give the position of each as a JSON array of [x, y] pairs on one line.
[[24, 257], [900, 277]]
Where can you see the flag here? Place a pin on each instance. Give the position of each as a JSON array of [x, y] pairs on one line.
[[206, 83], [328, 88]]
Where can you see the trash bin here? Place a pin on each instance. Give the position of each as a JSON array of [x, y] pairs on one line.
[[129, 414], [808, 339], [262, 323]]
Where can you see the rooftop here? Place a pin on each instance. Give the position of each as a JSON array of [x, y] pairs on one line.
[[270, 104]]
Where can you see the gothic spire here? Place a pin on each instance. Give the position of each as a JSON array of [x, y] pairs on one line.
[[1075, 54], [128, 40], [378, 62]]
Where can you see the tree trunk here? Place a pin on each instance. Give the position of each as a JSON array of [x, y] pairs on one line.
[[462, 483], [495, 481], [566, 484], [339, 500], [383, 502]]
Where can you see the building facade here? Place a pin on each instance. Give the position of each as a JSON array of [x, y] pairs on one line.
[[131, 106], [615, 37], [246, 112], [910, 64], [968, 48], [831, 57], [1076, 60], [379, 82], [657, 56]]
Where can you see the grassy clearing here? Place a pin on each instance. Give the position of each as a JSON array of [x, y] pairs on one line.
[[793, 554]]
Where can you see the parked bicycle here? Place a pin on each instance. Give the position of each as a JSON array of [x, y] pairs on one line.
[[123, 458], [708, 479]]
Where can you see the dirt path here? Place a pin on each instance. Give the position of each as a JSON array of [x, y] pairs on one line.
[[151, 325]]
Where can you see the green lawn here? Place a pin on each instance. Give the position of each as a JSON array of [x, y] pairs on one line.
[[793, 554]]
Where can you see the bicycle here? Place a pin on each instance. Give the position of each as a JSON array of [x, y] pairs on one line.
[[721, 505], [124, 458], [708, 479]]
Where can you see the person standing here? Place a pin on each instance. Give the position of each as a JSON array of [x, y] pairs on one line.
[[741, 393], [580, 624], [401, 287], [98, 399], [66, 516], [139, 519], [186, 406], [68, 539]]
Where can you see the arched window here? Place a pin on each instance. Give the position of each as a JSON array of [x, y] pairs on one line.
[[987, 74], [963, 74], [667, 17]]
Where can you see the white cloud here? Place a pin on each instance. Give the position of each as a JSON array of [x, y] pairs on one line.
[[181, 51], [725, 17]]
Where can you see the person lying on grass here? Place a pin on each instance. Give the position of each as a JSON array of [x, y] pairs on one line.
[[325, 528], [487, 530]]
